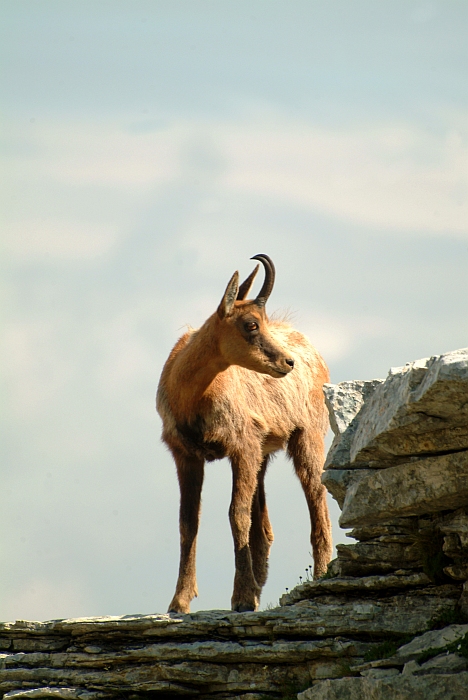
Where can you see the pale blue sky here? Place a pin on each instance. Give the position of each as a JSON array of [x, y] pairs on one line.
[[149, 149]]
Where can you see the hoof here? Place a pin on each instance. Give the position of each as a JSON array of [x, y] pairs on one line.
[[245, 604], [177, 606], [244, 607]]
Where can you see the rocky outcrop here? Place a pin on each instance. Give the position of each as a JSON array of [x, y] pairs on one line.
[[398, 468], [395, 687], [212, 654], [389, 620], [218, 654], [428, 667], [419, 409]]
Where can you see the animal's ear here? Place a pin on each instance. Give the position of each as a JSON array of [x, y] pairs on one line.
[[230, 295]]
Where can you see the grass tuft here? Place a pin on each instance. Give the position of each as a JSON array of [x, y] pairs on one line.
[[387, 648], [451, 616]]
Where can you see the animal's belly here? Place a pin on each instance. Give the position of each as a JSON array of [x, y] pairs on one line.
[[195, 440], [272, 443]]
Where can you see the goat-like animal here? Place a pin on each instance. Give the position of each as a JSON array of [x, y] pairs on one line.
[[229, 389]]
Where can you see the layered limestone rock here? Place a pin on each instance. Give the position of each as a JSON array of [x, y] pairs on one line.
[[431, 666], [396, 686], [389, 620], [213, 654], [429, 485], [217, 654], [398, 468], [419, 409]]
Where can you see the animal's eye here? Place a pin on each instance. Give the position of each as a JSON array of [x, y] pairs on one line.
[[252, 326]]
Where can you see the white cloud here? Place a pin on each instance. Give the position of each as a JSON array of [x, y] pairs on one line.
[[35, 369], [58, 240], [399, 177], [385, 176], [335, 338], [104, 153]]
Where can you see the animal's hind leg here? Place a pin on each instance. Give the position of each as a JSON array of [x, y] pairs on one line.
[[190, 472], [246, 593], [307, 452], [261, 533]]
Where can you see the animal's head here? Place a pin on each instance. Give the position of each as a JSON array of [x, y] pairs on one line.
[[244, 336]]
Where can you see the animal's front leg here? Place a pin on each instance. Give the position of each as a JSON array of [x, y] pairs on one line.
[[261, 532], [246, 594], [190, 473]]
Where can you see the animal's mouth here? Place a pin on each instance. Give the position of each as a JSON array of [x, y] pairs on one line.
[[279, 372]]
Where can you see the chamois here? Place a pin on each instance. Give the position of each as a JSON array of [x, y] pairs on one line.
[[243, 386]]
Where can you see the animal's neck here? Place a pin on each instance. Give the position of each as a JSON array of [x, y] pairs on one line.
[[196, 367]]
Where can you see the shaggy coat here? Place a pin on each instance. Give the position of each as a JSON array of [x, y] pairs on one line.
[[244, 387]]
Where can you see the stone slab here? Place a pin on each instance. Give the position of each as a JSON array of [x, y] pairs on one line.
[[433, 639], [353, 585], [328, 616], [397, 687], [443, 663], [47, 692], [397, 526], [377, 557], [457, 524], [344, 402], [421, 408], [338, 481], [415, 488], [215, 652]]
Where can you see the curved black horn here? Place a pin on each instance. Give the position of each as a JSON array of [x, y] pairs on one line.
[[265, 291], [244, 288]]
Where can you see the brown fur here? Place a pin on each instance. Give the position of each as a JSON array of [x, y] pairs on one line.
[[227, 389]]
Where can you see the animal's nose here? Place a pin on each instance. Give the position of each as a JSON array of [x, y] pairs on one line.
[[290, 363]]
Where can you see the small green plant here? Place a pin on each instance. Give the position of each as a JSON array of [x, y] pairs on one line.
[[288, 690], [331, 571], [346, 671], [450, 616], [429, 654], [327, 575], [381, 651], [387, 648], [459, 647]]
